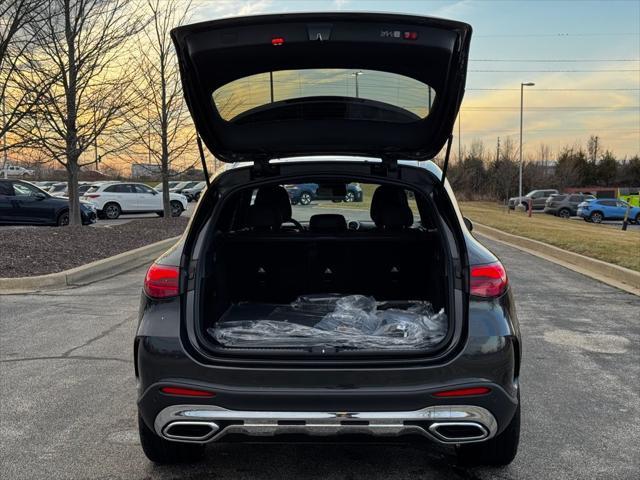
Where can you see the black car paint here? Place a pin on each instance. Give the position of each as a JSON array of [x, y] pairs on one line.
[[487, 352], [569, 202], [42, 210]]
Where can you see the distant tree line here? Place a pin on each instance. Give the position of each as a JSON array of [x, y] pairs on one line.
[[493, 175]]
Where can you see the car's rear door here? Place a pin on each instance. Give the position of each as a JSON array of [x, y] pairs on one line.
[[609, 208], [31, 205], [273, 86], [146, 198], [574, 201]]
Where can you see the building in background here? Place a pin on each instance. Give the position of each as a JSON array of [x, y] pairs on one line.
[[143, 170]]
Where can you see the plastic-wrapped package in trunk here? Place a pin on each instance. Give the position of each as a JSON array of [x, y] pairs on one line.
[[340, 321]]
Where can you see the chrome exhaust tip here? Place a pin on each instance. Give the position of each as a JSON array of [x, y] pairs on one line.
[[190, 431], [459, 432], [447, 424]]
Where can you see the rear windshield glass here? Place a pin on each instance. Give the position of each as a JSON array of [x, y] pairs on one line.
[[259, 90]]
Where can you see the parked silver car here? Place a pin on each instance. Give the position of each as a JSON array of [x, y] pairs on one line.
[[538, 199]]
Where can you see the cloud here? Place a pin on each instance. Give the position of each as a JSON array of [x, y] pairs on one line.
[[459, 9], [211, 10], [558, 118]]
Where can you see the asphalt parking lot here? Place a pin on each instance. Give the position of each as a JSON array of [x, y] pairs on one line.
[[67, 389]]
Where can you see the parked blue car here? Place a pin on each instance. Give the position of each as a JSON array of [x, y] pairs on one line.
[[607, 209], [305, 193]]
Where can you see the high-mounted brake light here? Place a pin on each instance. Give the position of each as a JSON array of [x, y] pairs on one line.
[[488, 280], [463, 392], [186, 392], [277, 41], [162, 281]]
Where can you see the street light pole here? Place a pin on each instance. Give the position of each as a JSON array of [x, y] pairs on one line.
[[522, 85]]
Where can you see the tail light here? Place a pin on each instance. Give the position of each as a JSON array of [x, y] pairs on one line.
[[186, 392], [463, 392], [488, 280], [162, 281], [92, 195]]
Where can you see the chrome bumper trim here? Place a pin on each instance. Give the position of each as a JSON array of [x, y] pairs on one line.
[[259, 423]]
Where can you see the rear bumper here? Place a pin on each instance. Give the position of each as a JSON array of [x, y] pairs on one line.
[[450, 424], [490, 358]]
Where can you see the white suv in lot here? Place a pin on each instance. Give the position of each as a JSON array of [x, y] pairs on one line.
[[112, 199], [15, 171]]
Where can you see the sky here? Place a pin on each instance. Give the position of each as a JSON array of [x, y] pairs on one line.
[[583, 56]]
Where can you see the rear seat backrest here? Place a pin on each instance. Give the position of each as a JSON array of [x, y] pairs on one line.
[[277, 267], [390, 208]]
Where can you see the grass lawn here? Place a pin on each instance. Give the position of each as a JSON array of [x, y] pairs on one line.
[[604, 242]]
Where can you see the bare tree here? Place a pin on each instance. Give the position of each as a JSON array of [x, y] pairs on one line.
[[22, 83], [162, 124], [82, 46]]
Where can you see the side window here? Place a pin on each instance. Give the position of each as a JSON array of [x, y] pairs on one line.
[[537, 195], [138, 188], [6, 189], [608, 203], [23, 190], [575, 198], [119, 188]]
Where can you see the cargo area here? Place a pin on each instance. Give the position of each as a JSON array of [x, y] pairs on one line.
[[325, 283]]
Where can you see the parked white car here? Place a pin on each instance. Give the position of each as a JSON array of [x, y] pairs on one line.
[[112, 199], [15, 171]]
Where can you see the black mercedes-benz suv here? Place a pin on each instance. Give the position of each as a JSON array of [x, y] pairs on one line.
[[385, 320]]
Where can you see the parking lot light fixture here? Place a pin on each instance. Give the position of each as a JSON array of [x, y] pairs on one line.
[[522, 85]]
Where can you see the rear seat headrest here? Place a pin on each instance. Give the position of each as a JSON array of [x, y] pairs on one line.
[[390, 208], [264, 217], [277, 197], [328, 223]]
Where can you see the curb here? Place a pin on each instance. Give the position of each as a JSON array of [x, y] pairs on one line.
[[619, 277], [88, 273]]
